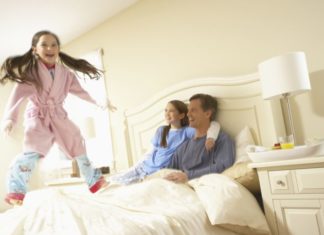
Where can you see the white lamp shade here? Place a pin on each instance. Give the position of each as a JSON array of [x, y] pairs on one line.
[[285, 74]]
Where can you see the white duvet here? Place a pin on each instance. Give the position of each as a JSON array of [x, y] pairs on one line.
[[154, 207]]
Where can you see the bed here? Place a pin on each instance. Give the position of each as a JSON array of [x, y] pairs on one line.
[[220, 204]]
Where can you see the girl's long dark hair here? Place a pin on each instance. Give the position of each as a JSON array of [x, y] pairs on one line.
[[181, 108], [24, 68]]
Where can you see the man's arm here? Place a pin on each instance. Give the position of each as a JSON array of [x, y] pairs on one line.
[[177, 177], [225, 158], [174, 164]]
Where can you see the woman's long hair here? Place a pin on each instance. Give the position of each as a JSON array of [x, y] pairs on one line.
[[24, 68], [182, 109]]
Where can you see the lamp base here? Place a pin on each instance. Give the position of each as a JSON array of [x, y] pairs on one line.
[[290, 119]]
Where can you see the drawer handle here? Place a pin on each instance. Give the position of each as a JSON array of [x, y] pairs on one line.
[[281, 183]]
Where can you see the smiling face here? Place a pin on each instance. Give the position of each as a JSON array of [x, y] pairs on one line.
[[47, 48], [198, 118], [173, 116]]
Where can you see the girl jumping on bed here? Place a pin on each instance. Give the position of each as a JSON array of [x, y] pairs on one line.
[[43, 76], [165, 142]]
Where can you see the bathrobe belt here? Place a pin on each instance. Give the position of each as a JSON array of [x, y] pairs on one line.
[[47, 111]]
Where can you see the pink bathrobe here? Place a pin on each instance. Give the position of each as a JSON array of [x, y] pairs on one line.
[[46, 121]]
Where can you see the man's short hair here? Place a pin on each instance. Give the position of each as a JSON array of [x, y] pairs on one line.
[[207, 103]]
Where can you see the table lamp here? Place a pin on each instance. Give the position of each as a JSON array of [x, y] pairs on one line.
[[284, 76]]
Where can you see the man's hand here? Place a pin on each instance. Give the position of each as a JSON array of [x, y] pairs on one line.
[[7, 127], [210, 142], [177, 177]]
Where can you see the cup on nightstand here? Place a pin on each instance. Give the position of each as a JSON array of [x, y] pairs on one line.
[[286, 142]]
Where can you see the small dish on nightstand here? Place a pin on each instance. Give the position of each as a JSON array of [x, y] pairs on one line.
[[301, 151]]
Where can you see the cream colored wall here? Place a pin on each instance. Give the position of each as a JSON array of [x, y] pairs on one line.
[[156, 43]]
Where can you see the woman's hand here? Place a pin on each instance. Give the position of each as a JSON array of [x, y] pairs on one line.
[[7, 127]]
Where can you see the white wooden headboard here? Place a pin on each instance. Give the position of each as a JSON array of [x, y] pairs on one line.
[[240, 105]]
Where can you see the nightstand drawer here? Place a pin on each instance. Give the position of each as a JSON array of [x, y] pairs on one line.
[[310, 180], [281, 182]]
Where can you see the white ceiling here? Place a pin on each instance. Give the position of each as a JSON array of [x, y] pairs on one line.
[[21, 19]]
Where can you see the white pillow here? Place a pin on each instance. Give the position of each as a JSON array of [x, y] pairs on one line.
[[242, 140], [230, 205], [245, 175]]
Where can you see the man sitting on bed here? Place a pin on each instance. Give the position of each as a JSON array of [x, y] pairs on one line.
[[191, 157]]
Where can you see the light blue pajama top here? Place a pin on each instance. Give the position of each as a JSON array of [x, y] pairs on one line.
[[160, 157]]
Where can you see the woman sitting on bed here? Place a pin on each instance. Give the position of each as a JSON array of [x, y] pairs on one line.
[[165, 142]]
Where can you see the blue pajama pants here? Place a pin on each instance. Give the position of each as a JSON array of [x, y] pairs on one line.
[[90, 174], [21, 170], [133, 175]]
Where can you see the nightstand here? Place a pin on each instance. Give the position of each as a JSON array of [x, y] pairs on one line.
[[293, 195]]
